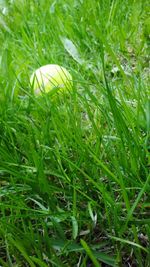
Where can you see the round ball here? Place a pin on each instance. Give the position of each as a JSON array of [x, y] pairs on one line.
[[50, 77]]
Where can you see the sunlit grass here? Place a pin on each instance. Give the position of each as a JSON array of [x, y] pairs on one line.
[[74, 177]]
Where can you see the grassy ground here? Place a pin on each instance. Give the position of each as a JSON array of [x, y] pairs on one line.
[[74, 177]]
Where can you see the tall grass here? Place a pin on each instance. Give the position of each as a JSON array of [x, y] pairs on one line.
[[74, 169]]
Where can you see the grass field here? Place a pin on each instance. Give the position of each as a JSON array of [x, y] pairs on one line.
[[74, 169]]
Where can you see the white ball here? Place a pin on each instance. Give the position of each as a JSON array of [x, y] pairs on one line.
[[50, 77]]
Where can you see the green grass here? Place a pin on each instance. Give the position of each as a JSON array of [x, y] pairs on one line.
[[74, 170]]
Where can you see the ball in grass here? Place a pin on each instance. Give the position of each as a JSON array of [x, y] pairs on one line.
[[51, 78]]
